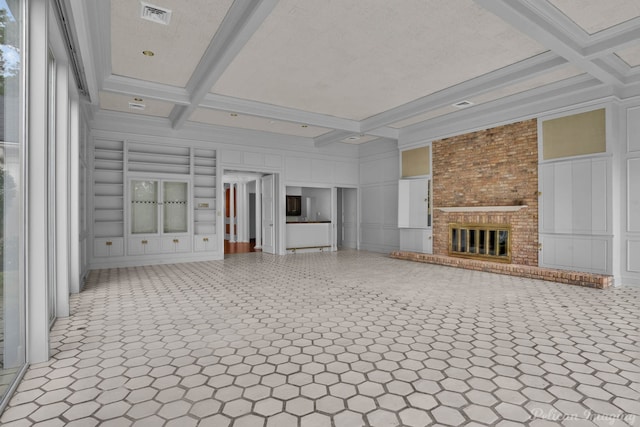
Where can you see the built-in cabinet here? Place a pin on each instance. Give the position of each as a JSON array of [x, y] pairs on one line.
[[152, 199], [158, 216], [575, 232], [414, 215]]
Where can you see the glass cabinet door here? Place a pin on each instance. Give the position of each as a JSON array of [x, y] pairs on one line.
[[144, 207], [174, 207]]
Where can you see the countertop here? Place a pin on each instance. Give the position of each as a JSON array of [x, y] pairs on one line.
[[308, 222]]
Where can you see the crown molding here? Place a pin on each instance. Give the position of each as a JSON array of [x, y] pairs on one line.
[[506, 76], [154, 129], [631, 91], [160, 126], [241, 22], [530, 104]]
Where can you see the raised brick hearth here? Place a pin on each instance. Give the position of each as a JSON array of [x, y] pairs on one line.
[[599, 281]]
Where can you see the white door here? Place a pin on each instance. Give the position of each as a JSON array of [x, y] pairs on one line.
[[268, 214]]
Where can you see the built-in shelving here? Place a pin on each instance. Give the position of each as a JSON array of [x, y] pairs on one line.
[[182, 217], [204, 192], [108, 181], [158, 158]]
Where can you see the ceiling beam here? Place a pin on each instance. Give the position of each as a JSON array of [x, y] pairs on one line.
[[330, 138], [506, 76], [528, 19], [241, 22], [255, 108], [384, 132], [94, 41], [146, 89]]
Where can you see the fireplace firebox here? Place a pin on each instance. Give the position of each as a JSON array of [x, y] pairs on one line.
[[480, 241]]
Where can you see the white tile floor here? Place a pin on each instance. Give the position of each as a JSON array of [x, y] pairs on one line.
[[347, 339]]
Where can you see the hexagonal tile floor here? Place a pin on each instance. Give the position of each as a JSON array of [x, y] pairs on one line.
[[347, 339]]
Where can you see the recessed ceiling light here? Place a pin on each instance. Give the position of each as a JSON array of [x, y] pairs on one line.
[[138, 99], [353, 138], [463, 104], [148, 53]]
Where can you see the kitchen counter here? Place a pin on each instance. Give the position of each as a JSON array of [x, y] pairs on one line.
[[308, 234]]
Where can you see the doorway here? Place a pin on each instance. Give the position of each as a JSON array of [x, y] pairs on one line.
[[250, 223], [347, 218]]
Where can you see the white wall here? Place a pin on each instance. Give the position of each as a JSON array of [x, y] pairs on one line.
[[630, 197], [296, 159], [379, 171]]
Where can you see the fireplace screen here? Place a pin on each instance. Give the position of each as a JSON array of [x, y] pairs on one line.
[[482, 241]]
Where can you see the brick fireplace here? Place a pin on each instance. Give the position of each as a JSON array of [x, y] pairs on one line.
[[489, 177]]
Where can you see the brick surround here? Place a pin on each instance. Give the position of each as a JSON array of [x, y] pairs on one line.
[[590, 280], [493, 167]]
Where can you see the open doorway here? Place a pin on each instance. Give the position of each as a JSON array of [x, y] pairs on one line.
[[347, 218], [249, 212]]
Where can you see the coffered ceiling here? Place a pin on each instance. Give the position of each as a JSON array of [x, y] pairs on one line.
[[348, 71]]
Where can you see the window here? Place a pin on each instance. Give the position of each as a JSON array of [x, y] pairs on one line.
[[12, 303]]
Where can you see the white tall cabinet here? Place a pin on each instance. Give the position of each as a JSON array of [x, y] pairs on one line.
[[414, 215], [151, 201]]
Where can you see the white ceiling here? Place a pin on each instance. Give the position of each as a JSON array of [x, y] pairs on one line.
[[631, 55], [178, 46], [342, 59], [593, 16], [338, 71], [244, 121]]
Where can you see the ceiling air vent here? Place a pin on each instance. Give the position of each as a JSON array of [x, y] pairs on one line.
[[137, 106], [156, 14], [463, 104]]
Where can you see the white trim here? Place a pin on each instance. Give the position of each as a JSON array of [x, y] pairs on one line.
[[36, 188], [514, 208]]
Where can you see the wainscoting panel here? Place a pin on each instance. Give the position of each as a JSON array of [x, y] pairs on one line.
[[581, 253], [633, 195], [633, 255]]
